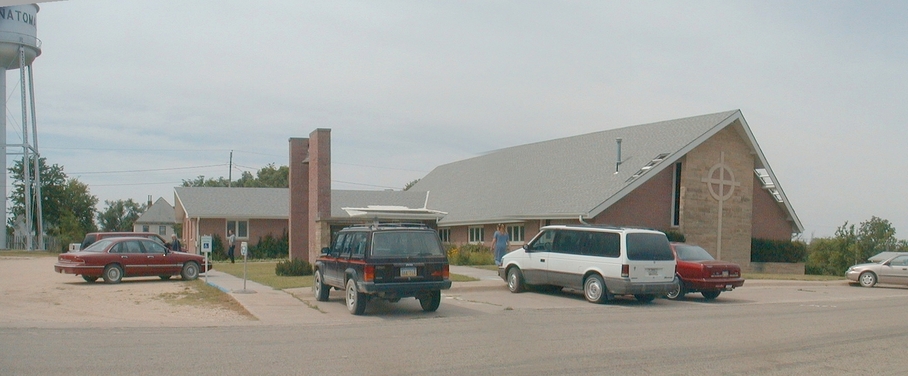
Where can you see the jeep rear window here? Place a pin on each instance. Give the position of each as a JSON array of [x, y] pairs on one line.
[[406, 244], [646, 246]]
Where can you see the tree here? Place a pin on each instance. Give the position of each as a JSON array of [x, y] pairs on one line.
[[63, 200], [850, 246], [120, 215], [410, 184], [269, 176]]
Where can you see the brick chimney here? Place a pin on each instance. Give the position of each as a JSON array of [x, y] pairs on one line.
[[319, 191], [298, 223]]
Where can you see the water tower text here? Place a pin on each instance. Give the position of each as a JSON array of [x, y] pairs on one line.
[[17, 15]]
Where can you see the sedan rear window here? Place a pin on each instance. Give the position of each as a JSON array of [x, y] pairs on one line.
[[406, 243], [98, 246], [692, 253], [648, 246]]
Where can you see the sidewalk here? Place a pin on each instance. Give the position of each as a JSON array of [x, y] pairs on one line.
[[272, 306]]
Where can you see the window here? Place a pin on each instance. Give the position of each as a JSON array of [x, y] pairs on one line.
[[145, 228], [515, 233], [604, 244], [445, 235], [162, 230], [240, 228], [544, 241], [676, 196], [476, 234]]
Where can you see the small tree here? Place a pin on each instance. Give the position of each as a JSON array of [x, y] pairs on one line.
[[120, 215]]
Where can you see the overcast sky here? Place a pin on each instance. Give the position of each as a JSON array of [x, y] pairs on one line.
[[135, 96]]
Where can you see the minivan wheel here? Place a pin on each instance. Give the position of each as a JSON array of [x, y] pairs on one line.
[[678, 291], [594, 289], [645, 298], [515, 280], [356, 301]]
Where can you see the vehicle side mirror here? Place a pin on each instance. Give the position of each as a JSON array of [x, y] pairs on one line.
[[326, 250]]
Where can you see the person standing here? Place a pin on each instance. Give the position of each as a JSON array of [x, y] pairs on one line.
[[175, 243], [500, 243], [231, 243]]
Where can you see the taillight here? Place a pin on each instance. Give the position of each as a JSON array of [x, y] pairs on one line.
[[444, 272], [625, 271], [369, 273]]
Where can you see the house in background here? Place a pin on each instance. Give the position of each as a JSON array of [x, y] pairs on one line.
[[251, 213], [158, 218], [704, 177]]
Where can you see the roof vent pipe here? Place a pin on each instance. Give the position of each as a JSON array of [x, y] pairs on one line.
[[618, 163]]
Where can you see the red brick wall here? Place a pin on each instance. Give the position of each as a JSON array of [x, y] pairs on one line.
[[769, 220], [650, 205], [319, 190]]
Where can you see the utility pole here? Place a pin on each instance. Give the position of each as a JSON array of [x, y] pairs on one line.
[[230, 172]]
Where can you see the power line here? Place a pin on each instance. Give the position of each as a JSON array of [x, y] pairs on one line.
[[148, 170]]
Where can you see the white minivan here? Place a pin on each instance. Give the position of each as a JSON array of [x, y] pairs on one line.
[[603, 261]]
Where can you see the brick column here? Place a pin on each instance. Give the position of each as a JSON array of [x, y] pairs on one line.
[[319, 190], [298, 223]]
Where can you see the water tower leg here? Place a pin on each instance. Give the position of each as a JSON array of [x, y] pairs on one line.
[[3, 244]]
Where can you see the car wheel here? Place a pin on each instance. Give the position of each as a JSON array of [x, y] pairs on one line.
[[645, 298], [431, 301], [356, 301], [165, 277], [89, 278], [678, 291], [594, 289], [515, 280], [190, 271], [710, 295], [113, 274], [867, 279], [318, 286]]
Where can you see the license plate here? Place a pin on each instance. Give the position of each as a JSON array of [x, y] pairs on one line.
[[725, 273], [652, 271], [408, 271]]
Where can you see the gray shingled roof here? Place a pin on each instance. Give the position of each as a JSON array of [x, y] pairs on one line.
[[160, 212], [218, 202], [207, 202], [567, 177]]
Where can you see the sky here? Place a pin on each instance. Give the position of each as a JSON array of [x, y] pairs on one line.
[[133, 97]]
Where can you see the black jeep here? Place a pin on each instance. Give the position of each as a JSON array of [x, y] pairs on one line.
[[382, 261]]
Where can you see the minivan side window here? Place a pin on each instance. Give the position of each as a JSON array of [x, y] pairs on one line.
[[602, 244], [568, 242], [648, 246], [543, 243]]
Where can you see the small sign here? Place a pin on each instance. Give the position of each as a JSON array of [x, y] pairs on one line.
[[206, 244], [243, 248]]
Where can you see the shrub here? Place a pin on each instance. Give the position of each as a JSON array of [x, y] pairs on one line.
[[767, 250], [469, 254], [295, 267], [269, 247]]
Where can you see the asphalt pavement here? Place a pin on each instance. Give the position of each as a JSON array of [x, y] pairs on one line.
[[293, 306]]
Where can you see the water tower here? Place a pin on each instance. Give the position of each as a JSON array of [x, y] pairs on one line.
[[19, 46]]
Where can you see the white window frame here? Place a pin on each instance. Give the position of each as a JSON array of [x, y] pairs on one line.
[[236, 228], [516, 229], [445, 235], [476, 232], [162, 230]]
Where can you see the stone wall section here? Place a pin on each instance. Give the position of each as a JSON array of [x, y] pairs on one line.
[[699, 220]]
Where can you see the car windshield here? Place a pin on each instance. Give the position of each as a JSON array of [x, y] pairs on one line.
[[406, 243], [692, 253], [648, 246], [98, 246]]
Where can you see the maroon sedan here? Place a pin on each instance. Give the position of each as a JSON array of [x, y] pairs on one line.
[[698, 271], [115, 258]]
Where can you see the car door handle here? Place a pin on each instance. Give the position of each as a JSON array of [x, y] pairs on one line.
[[124, 256], [149, 256], [541, 260]]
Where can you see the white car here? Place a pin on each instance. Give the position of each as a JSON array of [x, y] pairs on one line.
[[603, 261]]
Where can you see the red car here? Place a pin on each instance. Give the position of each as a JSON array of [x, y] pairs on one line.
[[698, 271], [116, 258]]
